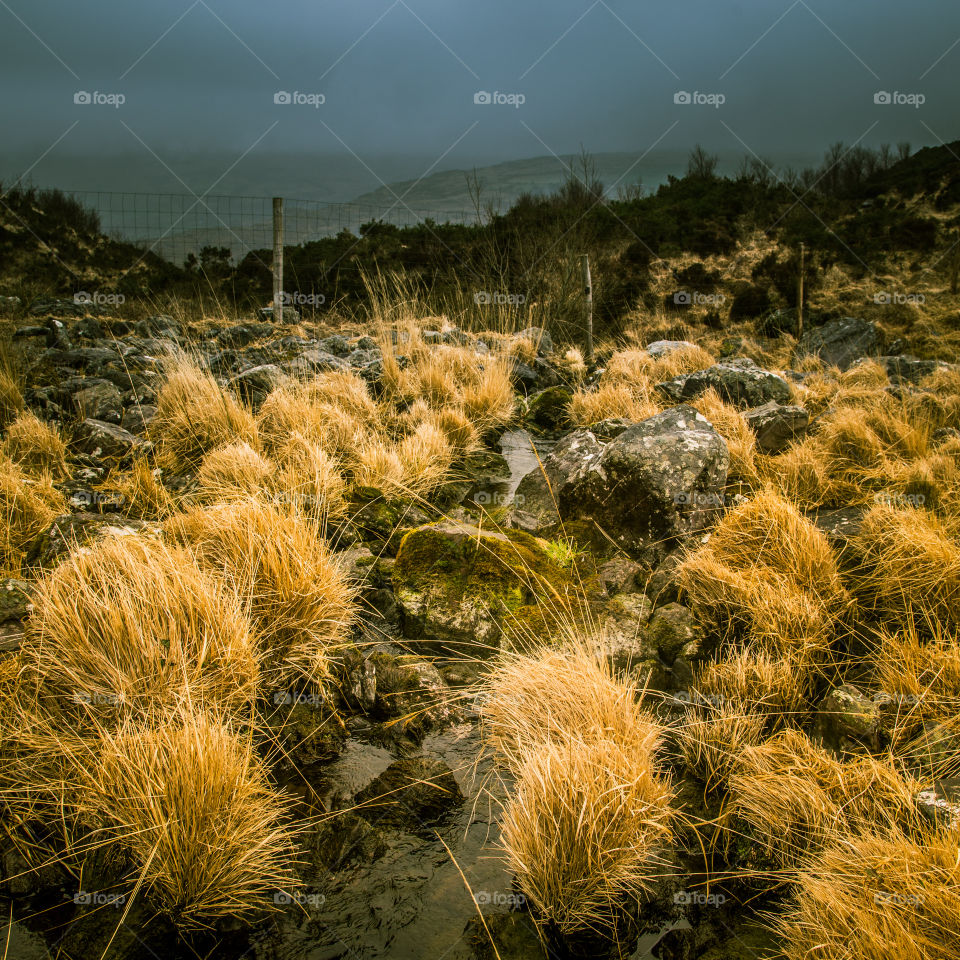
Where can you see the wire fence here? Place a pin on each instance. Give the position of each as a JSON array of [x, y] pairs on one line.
[[177, 225]]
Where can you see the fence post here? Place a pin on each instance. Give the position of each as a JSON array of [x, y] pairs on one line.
[[588, 298], [278, 259], [803, 251]]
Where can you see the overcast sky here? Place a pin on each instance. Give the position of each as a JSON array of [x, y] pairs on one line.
[[774, 77]]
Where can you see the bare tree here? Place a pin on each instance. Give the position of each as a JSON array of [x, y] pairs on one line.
[[702, 165]]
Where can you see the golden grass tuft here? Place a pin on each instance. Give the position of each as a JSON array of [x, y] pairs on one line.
[[797, 797], [236, 470], [27, 508], [585, 831], [277, 560], [11, 397], [876, 895], [768, 569], [141, 491], [189, 802], [132, 624], [909, 566], [612, 400], [196, 415], [559, 692], [712, 739], [36, 446], [729, 422]]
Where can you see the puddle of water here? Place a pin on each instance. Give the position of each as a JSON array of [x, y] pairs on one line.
[[523, 453]]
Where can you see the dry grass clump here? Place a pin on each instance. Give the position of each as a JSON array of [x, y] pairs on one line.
[[308, 479], [797, 797], [427, 458], [872, 896], [236, 470], [585, 831], [11, 396], [612, 400], [910, 566], [753, 680], [131, 624], [712, 740], [188, 800], [36, 446], [918, 676], [276, 559], [769, 570], [561, 692], [729, 422], [141, 491], [626, 387], [196, 415], [27, 508]]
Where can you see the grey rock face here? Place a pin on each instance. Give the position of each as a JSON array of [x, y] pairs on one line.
[[841, 342], [740, 382], [776, 425]]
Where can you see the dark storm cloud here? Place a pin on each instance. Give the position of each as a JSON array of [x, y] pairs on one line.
[[774, 77]]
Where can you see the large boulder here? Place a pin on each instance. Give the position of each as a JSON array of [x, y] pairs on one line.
[[106, 440], [536, 497], [738, 381], [459, 587], [656, 484], [840, 342], [777, 425]]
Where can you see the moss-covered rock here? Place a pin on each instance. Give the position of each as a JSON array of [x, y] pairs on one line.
[[457, 585], [548, 409]]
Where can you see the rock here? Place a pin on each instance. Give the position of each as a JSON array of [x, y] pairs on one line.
[[316, 360], [89, 359], [548, 409], [540, 337], [656, 484], [411, 793], [306, 729], [410, 692], [740, 382], [100, 439], [159, 325], [137, 417], [662, 348], [15, 601], [52, 307], [661, 585], [911, 370], [344, 840], [458, 586], [776, 322], [673, 630], [840, 527], [287, 315], [840, 342], [539, 491], [848, 716], [339, 346], [776, 425], [621, 634], [78, 530], [618, 574], [941, 803], [611, 428], [255, 384], [242, 334], [101, 400]]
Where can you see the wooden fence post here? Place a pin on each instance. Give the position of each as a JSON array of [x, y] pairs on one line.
[[803, 251], [588, 298], [278, 259]]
